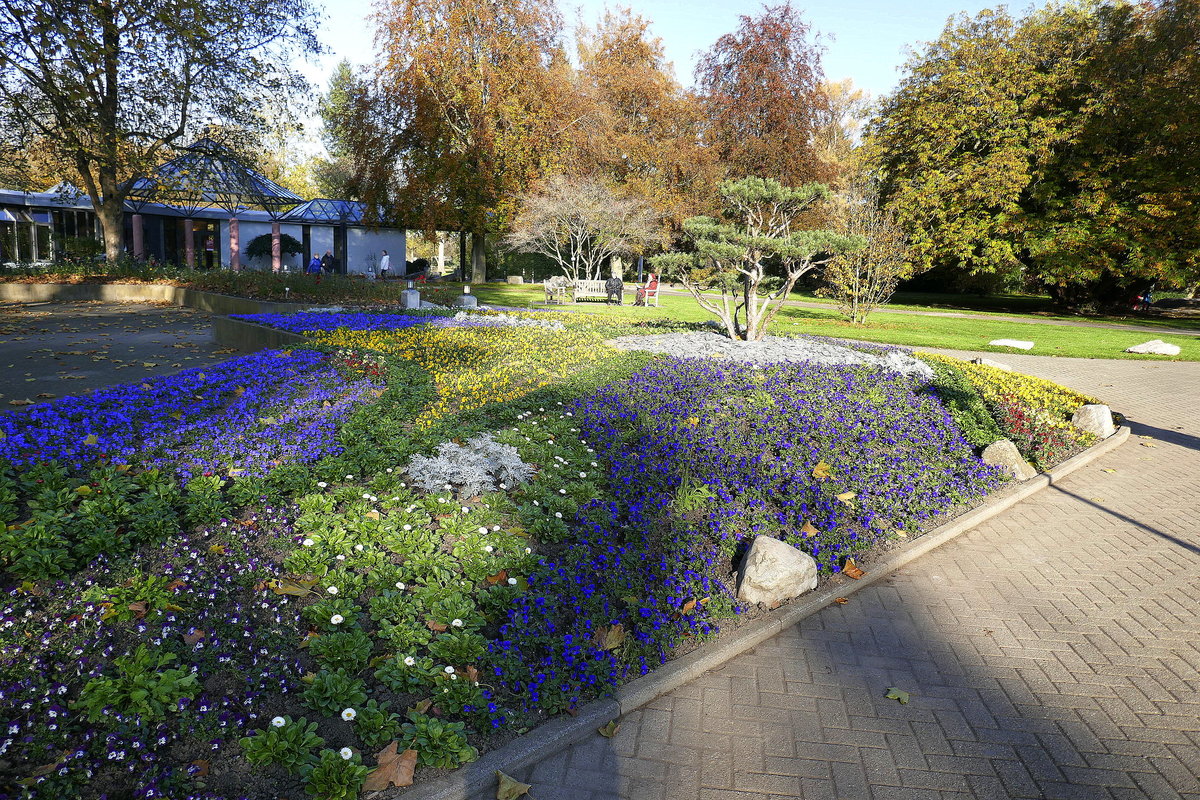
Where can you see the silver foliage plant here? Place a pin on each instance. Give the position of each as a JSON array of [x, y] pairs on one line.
[[480, 465]]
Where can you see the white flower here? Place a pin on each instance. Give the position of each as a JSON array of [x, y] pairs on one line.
[[348, 714], [453, 677], [536, 503], [504, 486], [337, 619], [528, 550], [408, 527], [495, 527], [308, 543], [278, 722], [448, 670], [488, 548], [558, 515], [332, 590], [447, 486], [562, 491], [400, 585], [512, 581], [466, 510], [340, 557], [583, 474], [346, 753], [358, 547], [389, 469], [409, 661], [483, 530], [349, 477], [322, 484], [457, 623], [366, 497]]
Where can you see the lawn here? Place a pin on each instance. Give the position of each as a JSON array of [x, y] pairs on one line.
[[428, 533], [899, 329]]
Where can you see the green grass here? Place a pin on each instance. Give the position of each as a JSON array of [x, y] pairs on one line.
[[953, 333]]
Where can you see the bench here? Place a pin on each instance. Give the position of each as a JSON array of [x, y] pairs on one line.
[[556, 289], [588, 290]]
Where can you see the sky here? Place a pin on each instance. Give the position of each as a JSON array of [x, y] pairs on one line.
[[866, 40]]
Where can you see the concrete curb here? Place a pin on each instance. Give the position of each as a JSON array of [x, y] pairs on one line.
[[252, 337], [562, 732], [142, 293]]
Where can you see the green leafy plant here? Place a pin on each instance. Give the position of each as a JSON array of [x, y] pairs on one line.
[[406, 635], [322, 613], [335, 777], [141, 687], [404, 674], [334, 690], [345, 650], [260, 246], [458, 647], [286, 743], [140, 596], [376, 725], [438, 743]]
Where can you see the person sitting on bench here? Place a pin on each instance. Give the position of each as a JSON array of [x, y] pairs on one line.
[[614, 288], [649, 290]]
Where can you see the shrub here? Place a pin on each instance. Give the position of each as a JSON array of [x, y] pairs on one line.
[[331, 691], [285, 743], [141, 687], [438, 743]]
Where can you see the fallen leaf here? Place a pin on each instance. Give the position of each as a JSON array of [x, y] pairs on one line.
[[297, 588], [687, 607], [47, 396], [92, 439], [395, 769], [809, 530], [195, 636], [841, 601], [499, 577], [897, 694], [1147, 444], [610, 637], [851, 569], [308, 637], [1109, 471], [200, 375], [85, 489], [422, 706], [509, 788], [372, 515], [201, 768], [176, 584], [434, 626], [472, 674], [846, 497], [139, 608], [822, 470], [609, 729]]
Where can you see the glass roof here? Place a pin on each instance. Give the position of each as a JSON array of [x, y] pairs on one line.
[[344, 212], [208, 174]]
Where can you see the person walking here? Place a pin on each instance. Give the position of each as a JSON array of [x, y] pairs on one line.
[[385, 264], [327, 264], [314, 266]]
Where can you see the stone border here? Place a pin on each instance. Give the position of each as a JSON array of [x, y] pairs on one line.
[[142, 293], [252, 337], [564, 731]]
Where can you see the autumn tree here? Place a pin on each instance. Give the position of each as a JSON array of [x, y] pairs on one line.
[[581, 224], [114, 84], [461, 114], [758, 237], [637, 127], [864, 279], [1058, 147], [839, 123], [761, 89]]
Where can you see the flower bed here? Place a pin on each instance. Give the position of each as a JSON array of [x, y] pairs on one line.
[[283, 643]]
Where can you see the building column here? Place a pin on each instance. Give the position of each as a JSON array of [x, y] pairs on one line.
[[139, 239], [276, 253], [189, 243], [235, 260]]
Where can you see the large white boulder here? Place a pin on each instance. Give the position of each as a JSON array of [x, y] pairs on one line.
[[1005, 454], [1017, 343], [774, 571], [1096, 419], [1155, 347]]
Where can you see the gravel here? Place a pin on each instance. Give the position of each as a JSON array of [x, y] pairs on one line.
[[775, 349]]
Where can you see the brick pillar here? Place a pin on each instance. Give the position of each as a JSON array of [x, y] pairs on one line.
[[235, 259], [139, 241], [276, 255], [189, 243]]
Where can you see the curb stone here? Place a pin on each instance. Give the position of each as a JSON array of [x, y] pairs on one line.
[[562, 732]]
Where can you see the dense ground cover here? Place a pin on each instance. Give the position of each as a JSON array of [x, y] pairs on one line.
[[474, 528]]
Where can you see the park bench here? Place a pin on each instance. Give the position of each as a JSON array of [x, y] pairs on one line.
[[588, 290]]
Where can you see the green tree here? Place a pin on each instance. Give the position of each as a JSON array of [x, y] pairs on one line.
[[115, 84], [334, 173], [758, 234], [861, 280]]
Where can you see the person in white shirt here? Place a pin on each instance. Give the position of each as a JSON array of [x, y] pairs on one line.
[[385, 264]]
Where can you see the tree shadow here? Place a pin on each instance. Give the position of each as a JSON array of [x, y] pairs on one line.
[[1175, 437]]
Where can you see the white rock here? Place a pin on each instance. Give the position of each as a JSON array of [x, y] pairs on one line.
[[1095, 419], [1017, 343], [774, 571], [987, 362], [1005, 454], [1156, 347]]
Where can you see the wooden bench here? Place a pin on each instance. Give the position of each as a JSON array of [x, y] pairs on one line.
[[588, 290], [556, 290]]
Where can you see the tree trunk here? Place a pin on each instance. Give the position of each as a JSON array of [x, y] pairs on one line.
[[111, 214], [478, 258]]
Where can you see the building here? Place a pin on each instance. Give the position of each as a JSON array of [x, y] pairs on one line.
[[201, 209]]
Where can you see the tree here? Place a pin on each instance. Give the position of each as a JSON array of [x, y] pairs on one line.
[[861, 280], [758, 232], [761, 91], [838, 127], [116, 84], [461, 116], [1059, 147], [581, 224], [637, 127], [334, 173]]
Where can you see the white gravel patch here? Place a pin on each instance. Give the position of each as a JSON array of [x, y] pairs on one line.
[[772, 350]]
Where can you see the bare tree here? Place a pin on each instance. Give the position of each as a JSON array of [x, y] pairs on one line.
[[862, 280], [581, 223]]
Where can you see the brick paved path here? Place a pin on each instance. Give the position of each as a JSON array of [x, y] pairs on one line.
[[1052, 653]]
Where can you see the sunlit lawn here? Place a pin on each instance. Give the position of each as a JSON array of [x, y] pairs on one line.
[[890, 328]]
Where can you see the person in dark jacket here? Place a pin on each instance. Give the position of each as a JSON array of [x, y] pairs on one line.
[[614, 288], [328, 262]]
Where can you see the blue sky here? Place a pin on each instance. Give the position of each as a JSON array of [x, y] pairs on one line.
[[866, 40]]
